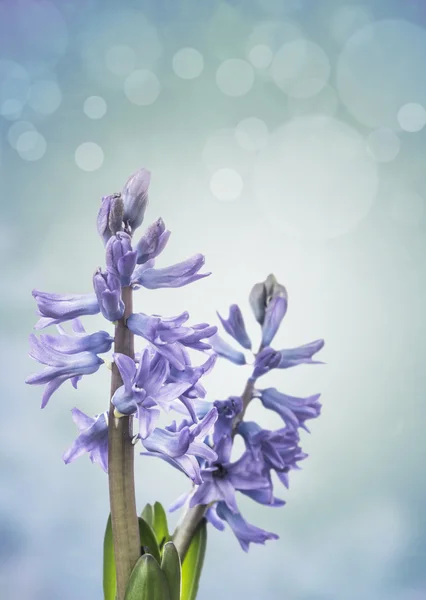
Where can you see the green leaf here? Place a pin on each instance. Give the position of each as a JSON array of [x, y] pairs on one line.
[[193, 562], [148, 540], [148, 514], [109, 575], [170, 565], [147, 581], [159, 525]]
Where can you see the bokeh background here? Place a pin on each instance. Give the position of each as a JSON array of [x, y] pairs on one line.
[[283, 136]]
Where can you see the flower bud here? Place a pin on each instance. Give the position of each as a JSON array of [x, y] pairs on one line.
[[120, 258], [110, 216], [108, 292], [135, 198], [153, 242], [268, 301]]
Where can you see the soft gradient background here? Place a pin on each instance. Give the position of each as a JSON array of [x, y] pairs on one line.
[[282, 135]]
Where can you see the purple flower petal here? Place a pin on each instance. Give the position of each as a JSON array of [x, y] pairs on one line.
[[223, 349], [274, 314], [176, 275], [300, 355], [57, 308], [235, 327], [127, 368], [244, 532]]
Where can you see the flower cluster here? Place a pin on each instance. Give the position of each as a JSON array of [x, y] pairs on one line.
[[157, 378], [265, 451]]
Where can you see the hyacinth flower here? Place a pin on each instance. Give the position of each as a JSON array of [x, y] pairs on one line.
[[266, 451], [162, 376]]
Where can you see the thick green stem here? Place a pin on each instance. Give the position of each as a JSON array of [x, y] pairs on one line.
[[187, 526], [124, 518]]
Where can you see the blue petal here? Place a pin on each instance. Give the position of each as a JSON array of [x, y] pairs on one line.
[[226, 351], [274, 314], [234, 325], [244, 532], [300, 355]]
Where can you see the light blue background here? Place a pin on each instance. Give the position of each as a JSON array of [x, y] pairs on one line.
[[324, 185]]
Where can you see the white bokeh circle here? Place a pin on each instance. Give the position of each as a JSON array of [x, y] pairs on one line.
[[188, 63], [17, 129], [11, 109], [407, 208], [300, 68], [381, 69], [89, 156], [412, 117], [384, 145], [120, 60], [260, 56], [226, 184], [95, 107], [15, 83], [315, 179], [252, 133], [222, 150], [31, 145], [142, 87], [45, 96], [235, 77]]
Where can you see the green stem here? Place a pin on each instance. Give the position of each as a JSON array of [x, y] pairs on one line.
[[124, 518]]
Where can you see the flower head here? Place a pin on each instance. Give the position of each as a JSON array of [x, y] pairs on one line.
[[180, 445], [144, 389]]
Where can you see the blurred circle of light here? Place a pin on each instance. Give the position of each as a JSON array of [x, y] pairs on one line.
[[407, 208], [412, 117], [95, 107], [36, 33], [380, 69], [315, 179], [142, 87], [11, 109], [384, 145], [260, 56], [325, 102], [89, 156], [31, 145], [15, 82], [45, 97], [235, 77], [348, 19], [300, 68], [188, 63], [252, 133], [222, 150], [17, 129], [120, 60], [226, 184]]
